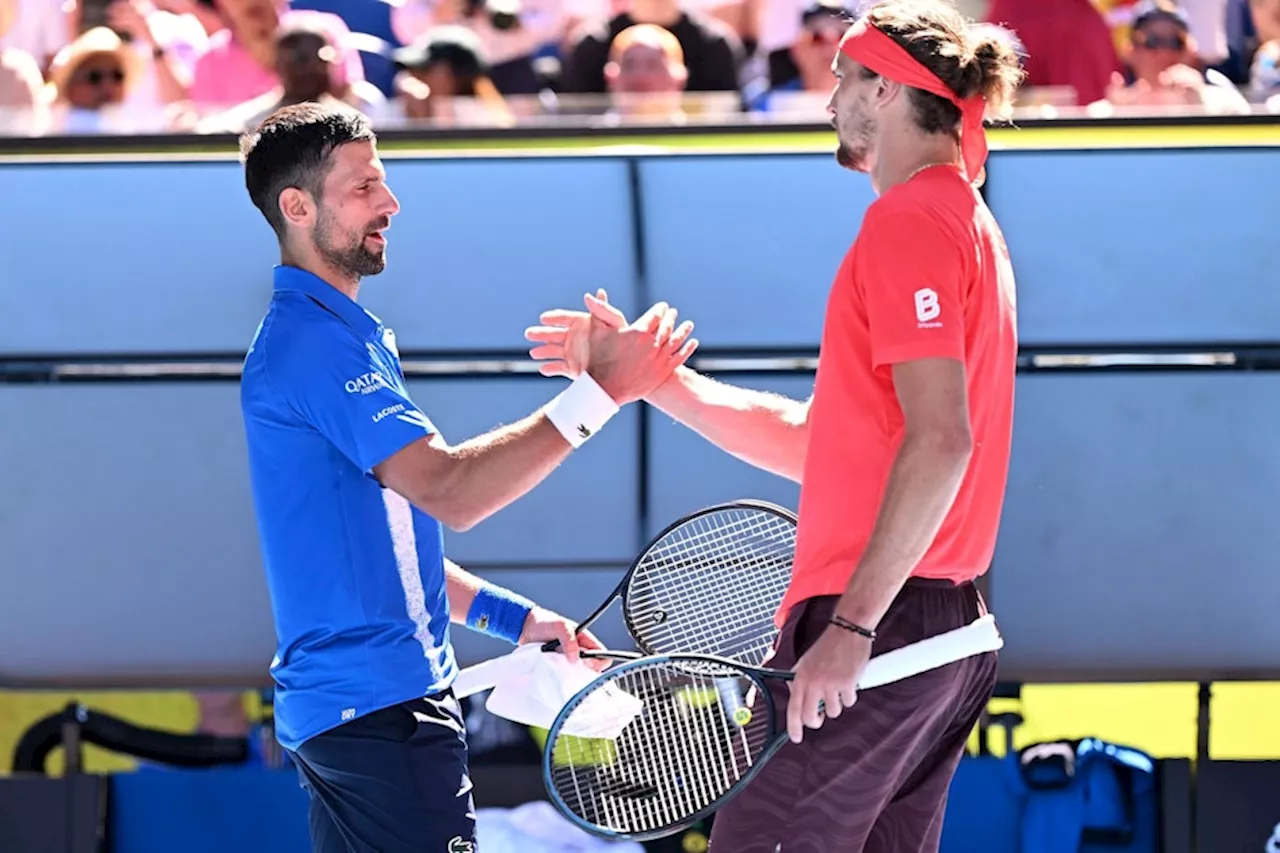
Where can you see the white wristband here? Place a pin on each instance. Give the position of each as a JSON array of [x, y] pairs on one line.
[[581, 410]]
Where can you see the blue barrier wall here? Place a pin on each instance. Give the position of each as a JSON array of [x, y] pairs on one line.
[[1148, 494]]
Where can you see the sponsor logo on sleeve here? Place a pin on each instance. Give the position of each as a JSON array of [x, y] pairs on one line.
[[928, 309], [367, 383], [388, 411]]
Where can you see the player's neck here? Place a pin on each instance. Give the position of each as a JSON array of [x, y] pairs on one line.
[[901, 155], [340, 282]]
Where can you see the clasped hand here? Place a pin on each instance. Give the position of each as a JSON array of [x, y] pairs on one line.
[[627, 360]]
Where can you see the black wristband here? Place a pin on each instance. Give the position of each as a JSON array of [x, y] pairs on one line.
[[841, 622]]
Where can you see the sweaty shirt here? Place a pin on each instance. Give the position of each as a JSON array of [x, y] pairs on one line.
[[927, 277]]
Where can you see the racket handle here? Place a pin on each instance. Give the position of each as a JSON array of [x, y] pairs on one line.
[[553, 645]]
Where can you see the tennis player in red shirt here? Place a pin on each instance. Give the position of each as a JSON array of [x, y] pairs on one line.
[[902, 451]]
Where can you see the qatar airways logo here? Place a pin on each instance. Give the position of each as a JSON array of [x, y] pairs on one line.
[[367, 383]]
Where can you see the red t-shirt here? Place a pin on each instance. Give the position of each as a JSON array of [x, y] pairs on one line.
[[928, 277]]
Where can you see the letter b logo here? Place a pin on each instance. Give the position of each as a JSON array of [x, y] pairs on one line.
[[927, 307]]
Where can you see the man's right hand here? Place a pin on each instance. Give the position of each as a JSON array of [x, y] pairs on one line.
[[563, 336], [627, 360]]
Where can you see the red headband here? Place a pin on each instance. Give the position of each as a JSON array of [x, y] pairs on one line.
[[871, 48]]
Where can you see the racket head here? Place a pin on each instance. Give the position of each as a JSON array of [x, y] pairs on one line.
[[655, 744], [711, 582]]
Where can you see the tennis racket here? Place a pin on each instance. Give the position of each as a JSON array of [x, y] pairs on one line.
[[710, 583], [657, 743]]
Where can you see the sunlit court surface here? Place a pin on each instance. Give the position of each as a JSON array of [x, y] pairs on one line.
[[354, 355]]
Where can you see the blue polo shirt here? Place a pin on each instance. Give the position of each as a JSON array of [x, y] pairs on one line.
[[355, 572]]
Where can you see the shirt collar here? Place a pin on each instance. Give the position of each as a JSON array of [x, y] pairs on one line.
[[293, 278]]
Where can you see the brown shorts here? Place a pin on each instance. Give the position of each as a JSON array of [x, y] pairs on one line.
[[875, 779]]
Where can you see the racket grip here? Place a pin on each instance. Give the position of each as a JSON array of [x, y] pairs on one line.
[[554, 645]]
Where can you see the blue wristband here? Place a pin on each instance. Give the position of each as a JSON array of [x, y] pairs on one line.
[[499, 613]]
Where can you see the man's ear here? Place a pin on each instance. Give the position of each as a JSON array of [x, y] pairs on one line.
[[297, 207], [887, 90]]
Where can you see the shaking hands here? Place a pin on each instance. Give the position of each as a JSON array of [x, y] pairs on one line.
[[627, 360]]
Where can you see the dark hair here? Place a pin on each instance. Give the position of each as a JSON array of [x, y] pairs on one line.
[[291, 148], [1158, 10], [968, 58]]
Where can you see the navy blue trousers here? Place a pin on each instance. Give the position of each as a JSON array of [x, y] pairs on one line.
[[393, 781]]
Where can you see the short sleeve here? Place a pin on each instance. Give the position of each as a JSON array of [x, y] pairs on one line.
[[351, 393], [912, 274]]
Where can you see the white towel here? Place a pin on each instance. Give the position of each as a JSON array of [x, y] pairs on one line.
[[530, 687]]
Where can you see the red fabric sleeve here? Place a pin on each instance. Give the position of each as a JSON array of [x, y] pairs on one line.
[[913, 276]]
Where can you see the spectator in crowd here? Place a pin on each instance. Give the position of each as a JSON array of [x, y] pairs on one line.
[[88, 83], [1162, 67], [712, 53], [21, 111], [1084, 61], [742, 17], [444, 79], [1206, 21], [779, 27], [512, 33], [822, 25], [310, 66], [373, 34], [646, 74], [39, 28], [240, 64], [168, 46]]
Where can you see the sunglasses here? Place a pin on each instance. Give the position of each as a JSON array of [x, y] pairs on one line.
[[825, 34], [97, 77], [1159, 42]]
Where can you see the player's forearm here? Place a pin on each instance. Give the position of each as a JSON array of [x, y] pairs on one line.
[[492, 470], [923, 483], [766, 430], [461, 587]]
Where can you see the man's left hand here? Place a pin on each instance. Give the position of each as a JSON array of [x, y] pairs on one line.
[[826, 679], [543, 626]]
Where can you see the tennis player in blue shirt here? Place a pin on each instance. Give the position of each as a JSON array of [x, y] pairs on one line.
[[351, 485]]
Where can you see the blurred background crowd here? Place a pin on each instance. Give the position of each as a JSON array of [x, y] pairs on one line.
[[163, 66]]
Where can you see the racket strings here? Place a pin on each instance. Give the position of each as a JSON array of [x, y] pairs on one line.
[[676, 757], [738, 588], [714, 585]]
